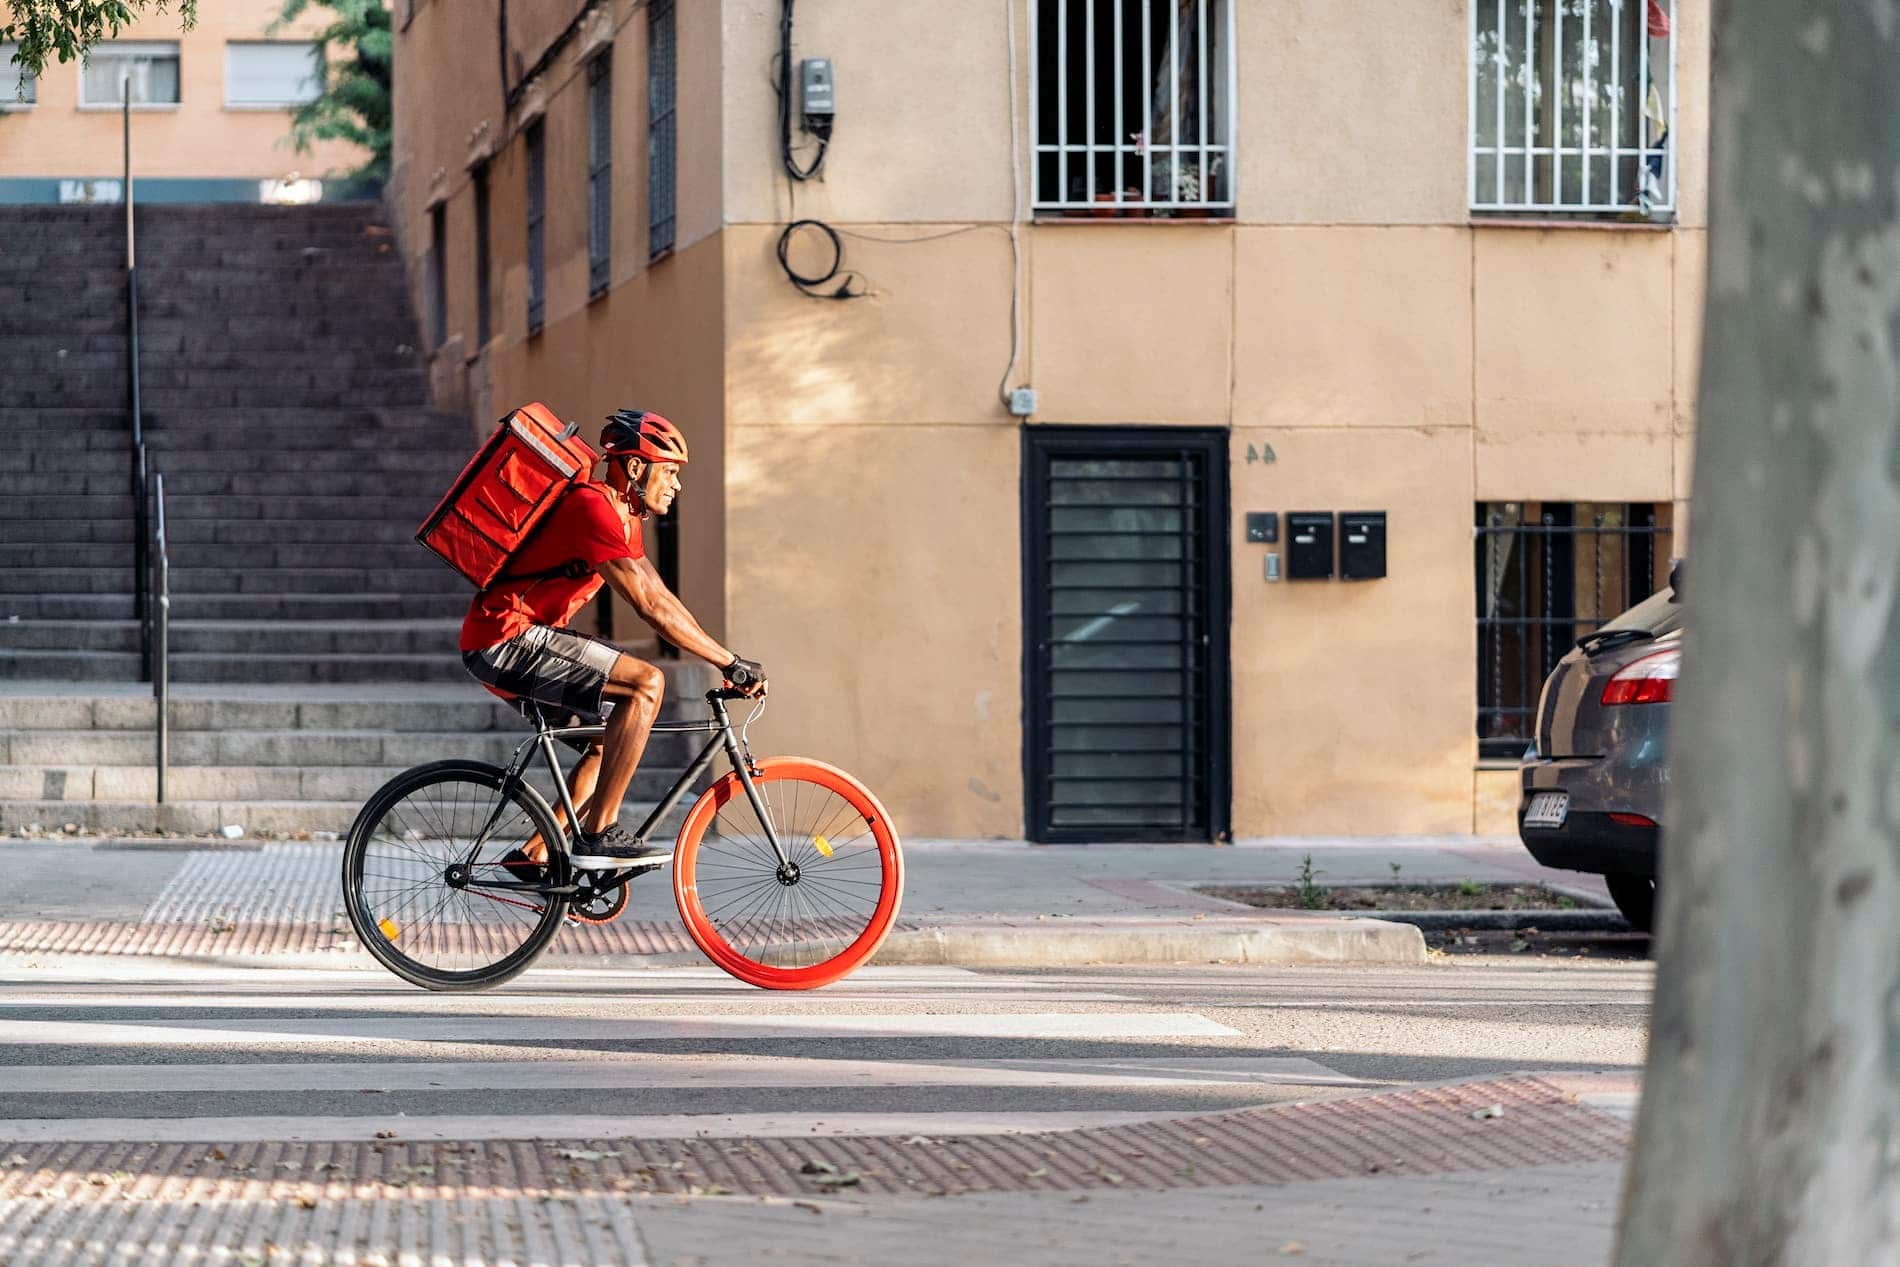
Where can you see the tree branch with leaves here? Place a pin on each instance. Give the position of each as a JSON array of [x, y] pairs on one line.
[[63, 30], [357, 50]]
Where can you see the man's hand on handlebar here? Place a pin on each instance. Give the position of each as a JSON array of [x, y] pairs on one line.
[[747, 676]]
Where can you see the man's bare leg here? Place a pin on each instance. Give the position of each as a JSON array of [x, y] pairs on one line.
[[580, 788], [636, 688]]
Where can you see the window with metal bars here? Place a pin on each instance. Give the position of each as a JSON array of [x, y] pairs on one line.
[[438, 276], [600, 166], [1133, 107], [1548, 573], [483, 264], [1573, 106], [537, 224], [662, 127]]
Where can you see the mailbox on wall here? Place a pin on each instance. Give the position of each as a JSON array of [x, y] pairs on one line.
[[1309, 545], [1362, 545]]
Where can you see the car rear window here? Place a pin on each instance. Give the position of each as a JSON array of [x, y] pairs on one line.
[[1659, 614]]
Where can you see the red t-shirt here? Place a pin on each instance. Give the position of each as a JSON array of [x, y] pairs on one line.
[[585, 525]]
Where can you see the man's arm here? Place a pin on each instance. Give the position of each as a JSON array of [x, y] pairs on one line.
[[637, 582]]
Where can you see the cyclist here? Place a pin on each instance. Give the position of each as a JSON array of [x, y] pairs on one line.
[[515, 640]]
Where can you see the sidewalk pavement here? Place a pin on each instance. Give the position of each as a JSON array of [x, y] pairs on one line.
[[966, 903], [1504, 1171]]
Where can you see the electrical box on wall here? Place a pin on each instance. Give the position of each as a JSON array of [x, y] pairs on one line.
[[817, 93], [1309, 545], [1263, 527], [1362, 545]]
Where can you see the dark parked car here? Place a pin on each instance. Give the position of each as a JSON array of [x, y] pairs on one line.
[[1594, 780]]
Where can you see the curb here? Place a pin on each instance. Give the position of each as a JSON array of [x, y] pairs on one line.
[[1590, 921], [1301, 942]]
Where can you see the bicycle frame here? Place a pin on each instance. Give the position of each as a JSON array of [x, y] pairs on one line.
[[719, 726]]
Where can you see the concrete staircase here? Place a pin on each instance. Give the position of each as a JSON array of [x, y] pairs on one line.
[[271, 760], [65, 474], [313, 641]]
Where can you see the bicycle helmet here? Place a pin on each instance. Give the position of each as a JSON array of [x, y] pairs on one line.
[[643, 434]]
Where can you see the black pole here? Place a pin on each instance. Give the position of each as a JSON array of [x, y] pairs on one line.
[[141, 604]]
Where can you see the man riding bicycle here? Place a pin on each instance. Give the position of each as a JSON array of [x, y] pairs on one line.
[[515, 640]]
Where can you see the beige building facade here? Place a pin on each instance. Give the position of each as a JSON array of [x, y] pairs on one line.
[[1371, 294], [210, 113]]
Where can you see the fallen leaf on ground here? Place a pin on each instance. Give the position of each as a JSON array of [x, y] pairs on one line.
[[584, 1154], [385, 1134], [813, 1206], [1292, 1249], [1489, 1111], [850, 1179], [816, 1167]]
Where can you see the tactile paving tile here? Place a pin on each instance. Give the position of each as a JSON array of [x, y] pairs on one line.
[[1426, 1130], [215, 937]]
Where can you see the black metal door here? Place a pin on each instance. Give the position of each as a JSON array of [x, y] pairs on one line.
[[1125, 634]]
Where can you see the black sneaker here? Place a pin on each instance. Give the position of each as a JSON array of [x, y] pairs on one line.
[[614, 848], [517, 865]]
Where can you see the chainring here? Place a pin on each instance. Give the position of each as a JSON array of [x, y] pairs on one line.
[[605, 900]]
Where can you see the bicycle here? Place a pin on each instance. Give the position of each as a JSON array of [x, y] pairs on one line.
[[786, 871]]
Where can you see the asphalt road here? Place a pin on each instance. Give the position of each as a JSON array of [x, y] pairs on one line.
[[111, 1051]]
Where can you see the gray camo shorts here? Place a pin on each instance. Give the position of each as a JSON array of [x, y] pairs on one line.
[[562, 670]]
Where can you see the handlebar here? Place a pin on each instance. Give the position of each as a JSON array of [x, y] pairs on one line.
[[725, 693]]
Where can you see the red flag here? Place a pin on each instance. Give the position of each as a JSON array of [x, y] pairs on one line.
[[1658, 20]]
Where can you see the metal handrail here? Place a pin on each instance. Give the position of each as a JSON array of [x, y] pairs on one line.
[[141, 599], [161, 631]]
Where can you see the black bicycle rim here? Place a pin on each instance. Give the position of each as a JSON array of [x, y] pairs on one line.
[[401, 901]]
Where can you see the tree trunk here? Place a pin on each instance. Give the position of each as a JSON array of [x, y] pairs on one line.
[[1770, 1125]]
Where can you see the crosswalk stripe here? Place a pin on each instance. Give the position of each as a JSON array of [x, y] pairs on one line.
[[346, 1031], [660, 1072]]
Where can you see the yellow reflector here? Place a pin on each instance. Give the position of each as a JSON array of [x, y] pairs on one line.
[[389, 928], [824, 846]]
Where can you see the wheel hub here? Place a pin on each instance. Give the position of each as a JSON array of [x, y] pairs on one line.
[[455, 876], [788, 874]]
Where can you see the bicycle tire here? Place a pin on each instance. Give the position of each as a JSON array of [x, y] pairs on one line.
[[380, 932], [768, 946]]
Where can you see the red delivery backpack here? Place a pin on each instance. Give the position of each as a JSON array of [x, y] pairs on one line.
[[507, 488]]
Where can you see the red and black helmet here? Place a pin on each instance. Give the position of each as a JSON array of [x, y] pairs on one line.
[[644, 434]]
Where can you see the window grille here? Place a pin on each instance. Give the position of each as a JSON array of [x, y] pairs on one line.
[[537, 224], [1573, 106], [1548, 573], [17, 88], [482, 262], [662, 92], [147, 72], [600, 162], [1134, 106], [438, 276], [272, 74]]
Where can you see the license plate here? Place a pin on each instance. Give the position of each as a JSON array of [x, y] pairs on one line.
[[1547, 809]]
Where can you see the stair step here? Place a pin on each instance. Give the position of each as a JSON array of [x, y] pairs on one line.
[[285, 782], [313, 638], [203, 817], [427, 576]]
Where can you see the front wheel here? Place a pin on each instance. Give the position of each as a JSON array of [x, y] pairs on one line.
[[808, 921]]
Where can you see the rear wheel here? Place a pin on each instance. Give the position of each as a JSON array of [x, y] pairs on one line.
[[1635, 896], [805, 922], [423, 897]]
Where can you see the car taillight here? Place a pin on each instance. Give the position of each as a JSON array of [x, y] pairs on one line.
[[1650, 680]]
